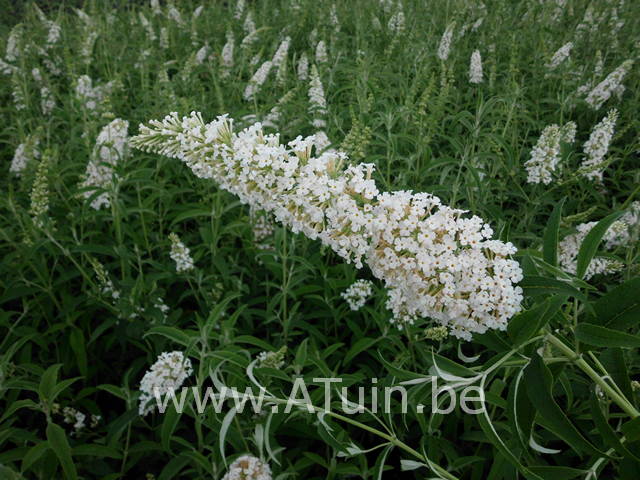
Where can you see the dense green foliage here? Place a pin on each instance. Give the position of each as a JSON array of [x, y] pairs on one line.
[[561, 401]]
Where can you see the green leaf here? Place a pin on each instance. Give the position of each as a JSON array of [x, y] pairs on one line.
[[536, 285], [605, 337], [169, 423], [172, 333], [487, 427], [48, 382], [558, 473], [361, 345], [171, 469], [613, 360], [76, 341], [538, 381], [551, 235], [591, 242], [96, 450], [620, 308], [607, 433], [33, 455], [526, 324], [631, 429], [59, 444]]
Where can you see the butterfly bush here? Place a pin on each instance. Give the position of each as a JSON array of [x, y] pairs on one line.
[[169, 372], [24, 154], [569, 248], [475, 68], [303, 67], [611, 84], [110, 149], [257, 80], [545, 155], [435, 261], [445, 43], [226, 57], [321, 53], [358, 294], [560, 56], [597, 146], [180, 254], [248, 467]]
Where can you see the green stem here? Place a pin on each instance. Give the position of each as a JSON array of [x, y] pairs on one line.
[[577, 359], [390, 438]]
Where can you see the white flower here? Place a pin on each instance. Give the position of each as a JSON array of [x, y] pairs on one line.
[[545, 155], [226, 58], [155, 7], [436, 262], [358, 294], [47, 102], [396, 22], [249, 25], [445, 43], [560, 56], [239, 10], [180, 254], [164, 38], [570, 246], [12, 51], [280, 57], [148, 28], [168, 373], [475, 67], [91, 97], [110, 149], [321, 53], [317, 101], [248, 467], [303, 67], [257, 80], [262, 225], [201, 54], [198, 11], [602, 92], [24, 154], [7, 68], [174, 14], [333, 18], [77, 418], [597, 147]]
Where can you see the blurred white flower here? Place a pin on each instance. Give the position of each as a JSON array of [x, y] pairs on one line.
[[168, 373]]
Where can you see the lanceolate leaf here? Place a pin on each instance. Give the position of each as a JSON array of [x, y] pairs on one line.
[[620, 308], [608, 435], [538, 381], [605, 337], [590, 243], [59, 444]]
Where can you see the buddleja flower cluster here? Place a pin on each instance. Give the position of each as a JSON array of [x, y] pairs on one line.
[[622, 233], [169, 372], [597, 147], [111, 148], [560, 56], [180, 254], [611, 84], [248, 467], [358, 294], [475, 67], [436, 262], [25, 154], [546, 153]]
